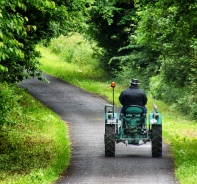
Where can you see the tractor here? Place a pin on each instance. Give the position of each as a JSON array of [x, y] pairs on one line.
[[132, 128]]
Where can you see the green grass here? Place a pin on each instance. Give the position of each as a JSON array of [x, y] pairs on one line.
[[181, 134], [178, 131], [36, 148], [85, 77]]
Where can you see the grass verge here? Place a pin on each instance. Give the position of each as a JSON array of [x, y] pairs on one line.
[[178, 131], [34, 149]]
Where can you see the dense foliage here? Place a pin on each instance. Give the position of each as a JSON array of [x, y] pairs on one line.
[[155, 41], [9, 106], [170, 27], [23, 23], [113, 25], [110, 26]]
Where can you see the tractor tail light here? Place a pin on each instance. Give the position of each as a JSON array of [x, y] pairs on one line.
[[156, 116]]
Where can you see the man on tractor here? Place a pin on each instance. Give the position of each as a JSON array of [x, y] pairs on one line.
[[133, 96]]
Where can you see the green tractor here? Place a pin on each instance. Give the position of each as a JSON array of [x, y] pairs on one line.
[[132, 128]]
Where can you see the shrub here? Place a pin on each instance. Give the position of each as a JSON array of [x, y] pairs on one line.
[[127, 73], [73, 49], [9, 105], [166, 92], [180, 99]]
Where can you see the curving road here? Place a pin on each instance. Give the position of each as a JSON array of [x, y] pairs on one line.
[[84, 114]]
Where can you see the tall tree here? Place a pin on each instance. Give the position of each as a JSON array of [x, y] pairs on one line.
[[23, 23], [170, 27], [110, 26], [113, 25]]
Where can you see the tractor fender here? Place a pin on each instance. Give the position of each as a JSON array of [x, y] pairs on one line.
[[155, 119]]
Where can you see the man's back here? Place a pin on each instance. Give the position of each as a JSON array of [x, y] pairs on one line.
[[133, 96]]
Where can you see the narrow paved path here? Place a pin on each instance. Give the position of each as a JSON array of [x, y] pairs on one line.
[[84, 113]]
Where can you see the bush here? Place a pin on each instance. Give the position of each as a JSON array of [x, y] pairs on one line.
[[73, 49], [166, 92], [127, 73], [9, 106], [187, 105], [180, 99]]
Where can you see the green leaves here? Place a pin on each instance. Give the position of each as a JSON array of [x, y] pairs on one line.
[[170, 28], [165, 24], [25, 23], [111, 24], [9, 106]]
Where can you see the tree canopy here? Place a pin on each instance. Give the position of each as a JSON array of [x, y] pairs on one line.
[[170, 27], [110, 27], [113, 25], [26, 22]]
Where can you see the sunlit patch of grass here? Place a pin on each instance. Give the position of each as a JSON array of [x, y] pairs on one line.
[[65, 70], [35, 149], [184, 149], [180, 132]]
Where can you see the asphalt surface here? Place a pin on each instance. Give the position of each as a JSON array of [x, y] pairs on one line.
[[84, 114]]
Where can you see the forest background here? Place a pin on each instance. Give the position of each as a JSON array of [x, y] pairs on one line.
[[154, 41]]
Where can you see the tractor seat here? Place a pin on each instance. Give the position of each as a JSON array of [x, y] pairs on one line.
[[134, 111]]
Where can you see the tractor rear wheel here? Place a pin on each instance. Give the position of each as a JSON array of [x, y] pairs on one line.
[[156, 141], [109, 140]]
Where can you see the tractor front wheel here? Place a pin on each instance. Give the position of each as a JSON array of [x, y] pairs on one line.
[[109, 140], [156, 141]]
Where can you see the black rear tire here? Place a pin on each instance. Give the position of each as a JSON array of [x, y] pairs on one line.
[[109, 140], [156, 141]]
